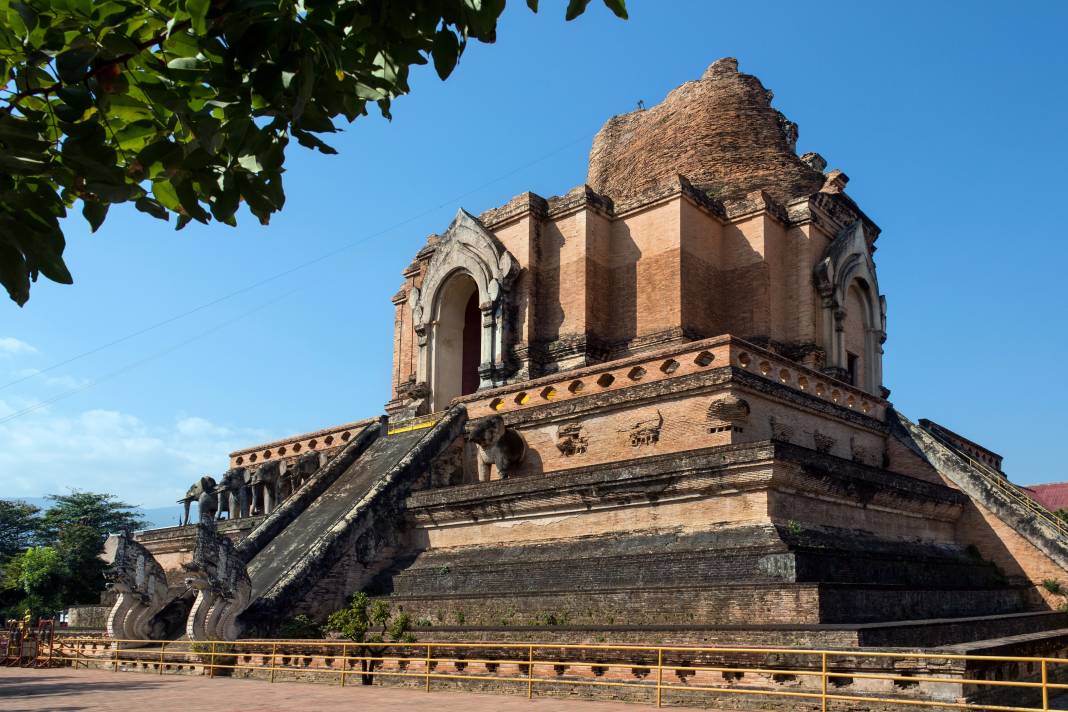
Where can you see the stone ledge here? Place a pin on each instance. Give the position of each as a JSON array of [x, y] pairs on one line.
[[704, 468]]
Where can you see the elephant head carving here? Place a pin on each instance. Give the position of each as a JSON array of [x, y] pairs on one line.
[[203, 493], [497, 445]]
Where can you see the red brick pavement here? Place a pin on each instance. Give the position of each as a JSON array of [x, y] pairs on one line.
[[64, 690]]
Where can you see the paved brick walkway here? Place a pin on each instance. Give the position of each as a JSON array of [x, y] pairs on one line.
[[61, 690]]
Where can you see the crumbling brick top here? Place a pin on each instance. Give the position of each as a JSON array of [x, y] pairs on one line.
[[720, 131]]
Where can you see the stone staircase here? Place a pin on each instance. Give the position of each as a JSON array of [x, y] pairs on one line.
[[344, 535], [986, 486]]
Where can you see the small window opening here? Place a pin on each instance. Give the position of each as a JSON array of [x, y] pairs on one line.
[[851, 365]]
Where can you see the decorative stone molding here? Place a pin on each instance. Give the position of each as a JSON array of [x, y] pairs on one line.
[[780, 430], [727, 414], [646, 432], [466, 247], [823, 443], [589, 383], [326, 440], [571, 439], [860, 454], [847, 261], [140, 585], [447, 469], [223, 589]]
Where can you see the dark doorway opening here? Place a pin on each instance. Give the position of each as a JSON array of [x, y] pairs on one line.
[[472, 346]]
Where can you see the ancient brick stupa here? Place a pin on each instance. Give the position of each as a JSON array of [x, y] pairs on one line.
[[656, 400]]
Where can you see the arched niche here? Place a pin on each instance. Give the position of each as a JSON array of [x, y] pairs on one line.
[[456, 355], [853, 311], [468, 263]]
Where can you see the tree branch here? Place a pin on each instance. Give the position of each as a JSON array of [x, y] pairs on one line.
[[158, 39]]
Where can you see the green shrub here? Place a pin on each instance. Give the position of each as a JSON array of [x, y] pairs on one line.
[[356, 621], [399, 626], [1053, 586]]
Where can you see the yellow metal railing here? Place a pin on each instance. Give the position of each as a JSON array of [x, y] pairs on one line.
[[818, 675]]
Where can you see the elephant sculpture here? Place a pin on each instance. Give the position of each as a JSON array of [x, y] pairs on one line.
[[497, 445], [233, 493], [264, 485], [299, 471], [203, 493]]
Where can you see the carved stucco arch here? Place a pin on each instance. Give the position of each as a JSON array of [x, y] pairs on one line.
[[466, 248], [846, 263]]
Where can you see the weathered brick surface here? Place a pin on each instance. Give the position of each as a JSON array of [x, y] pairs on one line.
[[719, 131]]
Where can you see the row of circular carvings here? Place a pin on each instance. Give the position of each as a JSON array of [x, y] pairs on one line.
[[703, 359], [293, 449], [605, 380], [819, 388]]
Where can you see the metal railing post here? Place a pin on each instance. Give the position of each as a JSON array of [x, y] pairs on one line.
[[162, 649], [659, 675], [1045, 688], [274, 659], [211, 667], [823, 682], [344, 661], [530, 673], [428, 667], [115, 656]]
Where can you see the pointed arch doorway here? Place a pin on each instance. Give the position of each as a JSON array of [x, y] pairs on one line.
[[457, 347]]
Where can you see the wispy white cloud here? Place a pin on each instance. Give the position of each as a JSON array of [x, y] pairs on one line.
[[48, 379], [109, 451], [9, 345]]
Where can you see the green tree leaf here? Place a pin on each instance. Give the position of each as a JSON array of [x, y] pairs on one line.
[[94, 213], [446, 51], [73, 64], [181, 106], [575, 8]]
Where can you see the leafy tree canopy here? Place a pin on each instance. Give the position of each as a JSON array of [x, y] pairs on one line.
[[18, 527], [187, 106], [36, 579], [67, 568], [96, 513]]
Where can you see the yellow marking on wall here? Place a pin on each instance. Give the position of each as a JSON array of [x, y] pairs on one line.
[[408, 428]]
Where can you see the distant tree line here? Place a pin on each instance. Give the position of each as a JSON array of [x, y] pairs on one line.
[[50, 559]]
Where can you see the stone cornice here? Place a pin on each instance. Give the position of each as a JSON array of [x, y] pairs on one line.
[[325, 439], [697, 473], [755, 203], [580, 198], [704, 364], [521, 205], [831, 212]]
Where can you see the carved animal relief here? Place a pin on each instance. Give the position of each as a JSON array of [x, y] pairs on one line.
[[141, 587], [646, 432], [780, 430], [571, 439], [448, 468], [220, 578], [727, 414], [860, 453], [823, 443]]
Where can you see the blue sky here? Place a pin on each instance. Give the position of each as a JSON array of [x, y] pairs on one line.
[[948, 117]]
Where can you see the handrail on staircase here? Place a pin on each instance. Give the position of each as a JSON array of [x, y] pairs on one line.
[[999, 480]]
